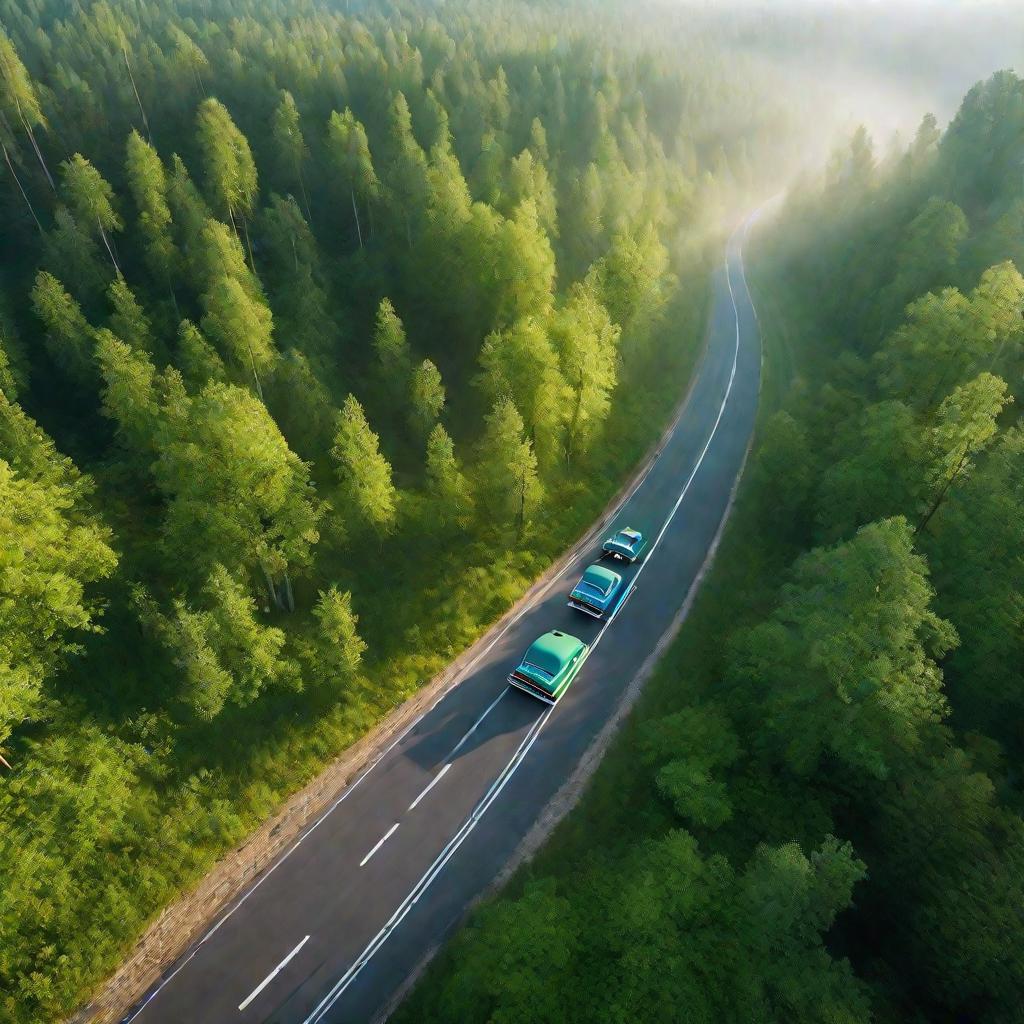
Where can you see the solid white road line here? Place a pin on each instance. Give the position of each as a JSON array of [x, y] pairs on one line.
[[380, 842], [524, 747], [436, 779], [431, 873], [272, 975]]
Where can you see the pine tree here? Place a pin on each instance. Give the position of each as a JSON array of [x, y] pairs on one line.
[[18, 98], [338, 648], [364, 473], [91, 201], [427, 398], [197, 358], [509, 485], [394, 355], [230, 170], [129, 393], [587, 342], [349, 153], [236, 493], [128, 319], [147, 180], [241, 327], [292, 152], [446, 483], [68, 335]]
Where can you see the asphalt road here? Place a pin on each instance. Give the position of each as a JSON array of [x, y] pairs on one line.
[[333, 929]]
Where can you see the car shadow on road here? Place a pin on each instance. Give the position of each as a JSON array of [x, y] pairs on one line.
[[514, 712]]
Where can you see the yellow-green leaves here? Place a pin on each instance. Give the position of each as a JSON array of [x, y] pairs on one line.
[[426, 398], [364, 473], [51, 548], [510, 488], [339, 648], [227, 160], [236, 493]]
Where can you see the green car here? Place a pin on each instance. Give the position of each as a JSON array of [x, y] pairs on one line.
[[549, 666]]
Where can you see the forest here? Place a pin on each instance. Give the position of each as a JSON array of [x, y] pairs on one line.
[[296, 306], [325, 328], [815, 813]]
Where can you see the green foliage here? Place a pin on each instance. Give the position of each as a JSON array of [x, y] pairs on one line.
[[286, 130], [427, 397], [236, 494], [89, 197], [446, 483], [338, 649], [147, 180], [228, 164], [223, 652], [394, 357], [510, 489], [586, 340], [855, 642], [129, 394], [665, 935], [521, 364], [240, 326], [18, 97], [364, 473], [128, 319], [67, 332], [52, 548]]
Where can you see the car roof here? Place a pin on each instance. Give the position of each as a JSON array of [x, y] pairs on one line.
[[554, 644], [628, 531], [601, 576]]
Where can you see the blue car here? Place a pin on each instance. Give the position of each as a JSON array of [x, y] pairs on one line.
[[598, 592], [627, 544]]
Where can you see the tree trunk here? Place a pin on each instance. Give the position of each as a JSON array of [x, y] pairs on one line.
[[110, 252], [289, 597], [256, 376], [355, 210], [521, 517], [138, 98], [248, 244], [271, 589], [940, 497], [21, 189], [305, 196], [573, 427], [35, 145], [174, 298]]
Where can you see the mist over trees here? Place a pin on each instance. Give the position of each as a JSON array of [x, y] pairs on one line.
[[815, 814]]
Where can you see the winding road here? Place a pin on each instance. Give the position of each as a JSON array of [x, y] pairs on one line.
[[331, 931]]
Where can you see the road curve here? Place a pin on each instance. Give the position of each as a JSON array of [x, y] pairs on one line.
[[335, 926]]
